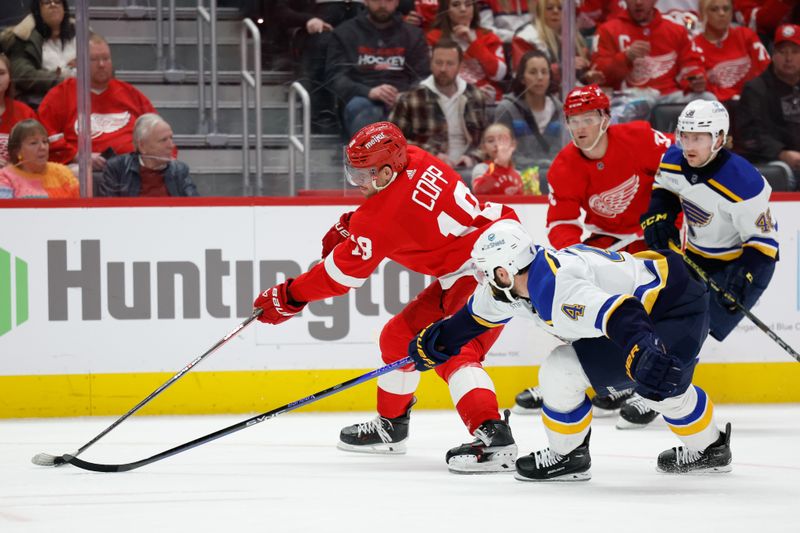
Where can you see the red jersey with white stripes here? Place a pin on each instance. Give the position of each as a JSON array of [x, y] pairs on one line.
[[613, 191], [738, 58], [426, 220]]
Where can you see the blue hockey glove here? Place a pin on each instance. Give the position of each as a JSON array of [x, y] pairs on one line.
[[424, 351], [652, 368], [659, 230], [738, 284]]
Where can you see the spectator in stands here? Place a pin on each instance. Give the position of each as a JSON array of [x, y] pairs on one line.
[[28, 173], [593, 13], [371, 59], [769, 112], [444, 115], [651, 58], [732, 55], [504, 17], [533, 113], [41, 49], [315, 21], [115, 107], [484, 63], [543, 32], [151, 170], [764, 16], [497, 174], [423, 14], [11, 111]]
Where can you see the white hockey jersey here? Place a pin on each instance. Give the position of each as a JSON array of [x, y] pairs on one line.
[[575, 291], [725, 204]]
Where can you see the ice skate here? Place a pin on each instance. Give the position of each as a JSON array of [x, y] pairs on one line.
[[379, 435], [493, 450], [528, 402], [607, 405], [714, 459], [635, 414], [547, 465]]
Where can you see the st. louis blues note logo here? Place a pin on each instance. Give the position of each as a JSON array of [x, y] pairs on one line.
[[696, 216], [573, 311]]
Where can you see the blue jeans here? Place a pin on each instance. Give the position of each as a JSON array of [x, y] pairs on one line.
[[361, 111]]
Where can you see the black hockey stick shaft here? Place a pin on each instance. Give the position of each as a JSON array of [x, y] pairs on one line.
[[98, 467], [759, 324], [59, 460]]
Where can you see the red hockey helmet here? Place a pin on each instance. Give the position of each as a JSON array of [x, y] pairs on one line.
[[372, 148], [583, 99]]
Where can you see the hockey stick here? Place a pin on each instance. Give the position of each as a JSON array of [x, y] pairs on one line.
[[98, 467], [759, 324], [45, 459]]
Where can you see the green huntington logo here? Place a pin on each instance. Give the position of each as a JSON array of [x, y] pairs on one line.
[[16, 300]]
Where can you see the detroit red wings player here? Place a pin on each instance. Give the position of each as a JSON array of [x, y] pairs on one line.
[[420, 214], [600, 184]]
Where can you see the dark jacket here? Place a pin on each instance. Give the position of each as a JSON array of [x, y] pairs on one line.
[[121, 178], [533, 146], [768, 118], [362, 56]]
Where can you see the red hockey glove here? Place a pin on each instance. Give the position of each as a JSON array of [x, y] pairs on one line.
[[277, 305], [338, 233]]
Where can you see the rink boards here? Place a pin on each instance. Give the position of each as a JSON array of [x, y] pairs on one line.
[[101, 305]]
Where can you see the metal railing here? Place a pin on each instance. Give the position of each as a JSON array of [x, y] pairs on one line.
[[251, 81], [208, 125], [294, 141], [171, 72]]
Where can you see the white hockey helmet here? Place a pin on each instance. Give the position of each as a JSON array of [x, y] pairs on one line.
[[505, 244], [704, 116]]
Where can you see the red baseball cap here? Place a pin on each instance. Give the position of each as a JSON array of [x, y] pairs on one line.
[[788, 32]]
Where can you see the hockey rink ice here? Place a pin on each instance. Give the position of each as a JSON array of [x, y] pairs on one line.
[[286, 474]]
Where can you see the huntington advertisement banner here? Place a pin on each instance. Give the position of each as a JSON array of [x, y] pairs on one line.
[[145, 289]]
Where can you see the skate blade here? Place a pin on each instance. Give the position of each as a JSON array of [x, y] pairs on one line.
[[624, 424], [519, 410], [394, 448], [599, 412], [566, 478], [496, 463], [703, 471]]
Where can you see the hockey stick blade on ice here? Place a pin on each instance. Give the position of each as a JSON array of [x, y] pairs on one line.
[[758, 323], [98, 467], [45, 459]]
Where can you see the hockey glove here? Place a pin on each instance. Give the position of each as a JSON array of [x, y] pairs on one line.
[[339, 232], [738, 283], [424, 350], [659, 230], [277, 305], [652, 368]]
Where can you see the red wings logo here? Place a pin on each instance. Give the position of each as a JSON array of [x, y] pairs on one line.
[[615, 201], [107, 123], [727, 74], [651, 67]]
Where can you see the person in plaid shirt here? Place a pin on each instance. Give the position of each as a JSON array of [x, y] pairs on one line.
[[444, 115]]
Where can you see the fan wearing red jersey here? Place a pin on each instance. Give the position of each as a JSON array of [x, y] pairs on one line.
[[599, 184], [419, 214]]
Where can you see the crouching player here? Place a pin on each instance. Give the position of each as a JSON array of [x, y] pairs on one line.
[[631, 321], [731, 233]]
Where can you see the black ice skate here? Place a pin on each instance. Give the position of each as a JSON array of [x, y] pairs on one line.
[[493, 450], [635, 414], [714, 459], [379, 435], [607, 405], [547, 465], [528, 402]]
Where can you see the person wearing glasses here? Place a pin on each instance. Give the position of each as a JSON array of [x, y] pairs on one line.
[[41, 49], [599, 187]]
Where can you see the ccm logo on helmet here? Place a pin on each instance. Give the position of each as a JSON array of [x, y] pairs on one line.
[[375, 140]]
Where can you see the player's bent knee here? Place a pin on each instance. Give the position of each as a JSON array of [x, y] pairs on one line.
[[561, 376], [394, 339]]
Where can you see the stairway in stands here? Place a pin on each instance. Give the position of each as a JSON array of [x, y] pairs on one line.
[[217, 170]]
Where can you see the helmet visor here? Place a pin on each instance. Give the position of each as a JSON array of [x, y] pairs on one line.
[[358, 177]]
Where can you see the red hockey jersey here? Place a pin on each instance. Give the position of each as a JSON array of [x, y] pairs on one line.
[[114, 112], [613, 191], [494, 179], [672, 59], [15, 112], [764, 16], [427, 220], [739, 58]]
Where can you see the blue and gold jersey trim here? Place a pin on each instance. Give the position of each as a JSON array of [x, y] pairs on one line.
[[658, 266], [721, 254], [697, 420], [724, 191], [768, 247], [542, 285], [670, 166], [482, 321], [569, 423], [607, 309]]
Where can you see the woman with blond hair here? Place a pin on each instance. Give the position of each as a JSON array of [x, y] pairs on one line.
[[28, 173]]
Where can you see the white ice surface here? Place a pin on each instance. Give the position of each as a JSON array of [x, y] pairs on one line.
[[286, 475]]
